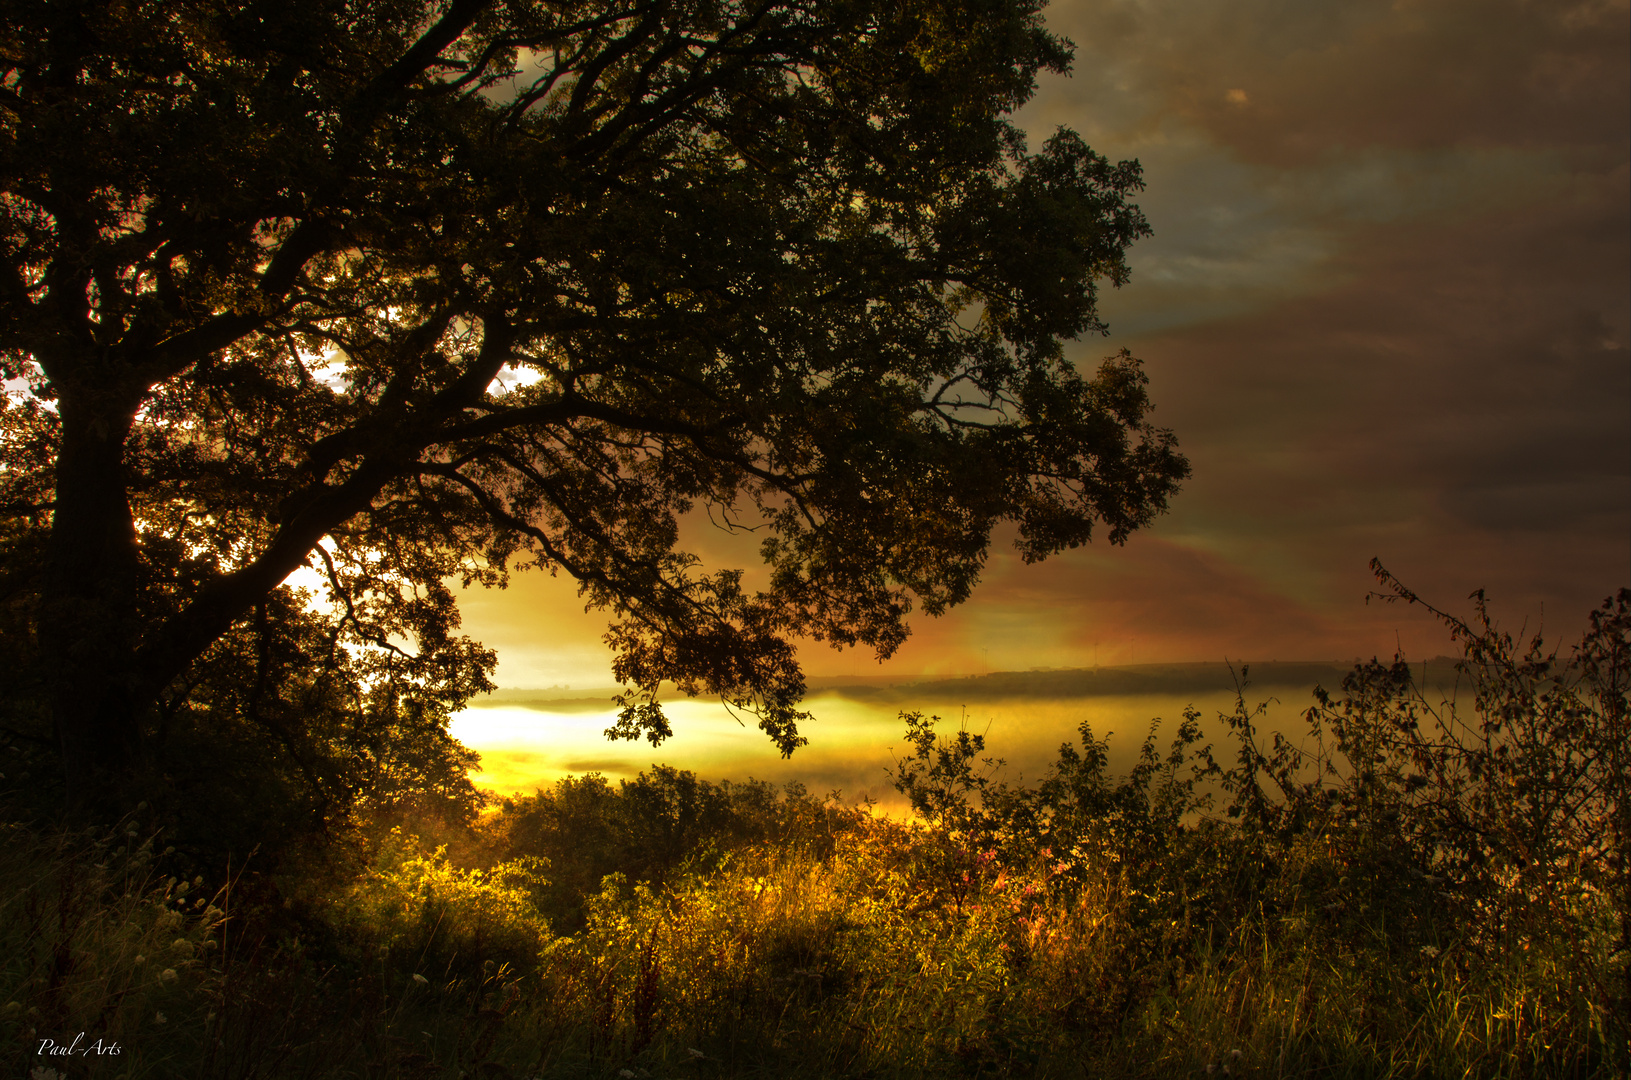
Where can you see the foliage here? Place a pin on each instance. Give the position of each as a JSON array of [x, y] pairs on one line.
[[418, 292], [1399, 831], [1524, 804], [413, 912], [94, 938], [1502, 817], [663, 822], [1276, 913], [316, 739], [282, 738], [944, 780]]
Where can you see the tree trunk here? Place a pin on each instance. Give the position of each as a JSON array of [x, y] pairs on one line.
[[88, 615]]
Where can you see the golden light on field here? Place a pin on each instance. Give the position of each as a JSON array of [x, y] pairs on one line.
[[853, 743]]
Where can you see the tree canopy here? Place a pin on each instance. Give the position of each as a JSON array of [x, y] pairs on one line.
[[414, 292]]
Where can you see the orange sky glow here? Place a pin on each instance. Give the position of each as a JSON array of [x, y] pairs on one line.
[[1385, 310]]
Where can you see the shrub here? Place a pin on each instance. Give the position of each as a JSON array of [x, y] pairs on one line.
[[662, 822], [1421, 885], [417, 914], [1459, 859]]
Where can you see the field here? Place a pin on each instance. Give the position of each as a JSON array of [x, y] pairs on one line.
[[532, 739], [1420, 886]]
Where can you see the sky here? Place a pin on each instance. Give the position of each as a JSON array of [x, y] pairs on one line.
[[1385, 310]]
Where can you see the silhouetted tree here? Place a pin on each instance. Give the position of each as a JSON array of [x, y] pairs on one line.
[[407, 292]]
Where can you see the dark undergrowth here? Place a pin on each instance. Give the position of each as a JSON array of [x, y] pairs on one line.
[[1425, 885]]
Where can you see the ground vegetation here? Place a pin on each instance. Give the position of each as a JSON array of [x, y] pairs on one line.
[[1421, 886]]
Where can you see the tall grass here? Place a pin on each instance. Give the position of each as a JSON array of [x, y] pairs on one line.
[[93, 939], [1422, 886]]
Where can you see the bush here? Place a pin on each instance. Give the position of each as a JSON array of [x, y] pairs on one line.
[[1423, 885], [652, 827], [415, 913], [1409, 857]]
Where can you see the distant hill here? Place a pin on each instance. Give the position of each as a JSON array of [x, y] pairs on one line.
[[1106, 681], [1135, 679]]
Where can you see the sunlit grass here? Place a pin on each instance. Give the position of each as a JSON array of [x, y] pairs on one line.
[[1406, 891], [888, 950]]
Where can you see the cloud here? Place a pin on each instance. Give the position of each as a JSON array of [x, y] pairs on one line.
[[1385, 310], [1273, 135], [1287, 84], [1458, 404], [1452, 399], [541, 632]]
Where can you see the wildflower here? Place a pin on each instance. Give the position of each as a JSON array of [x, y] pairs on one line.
[[694, 1052], [167, 975], [140, 960], [420, 979], [1429, 951], [160, 1018], [42, 1073], [626, 1074], [181, 944]]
